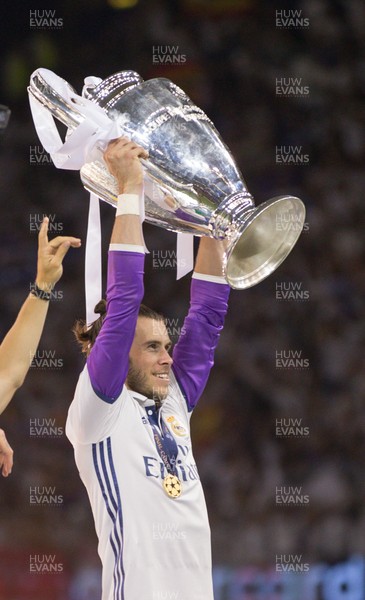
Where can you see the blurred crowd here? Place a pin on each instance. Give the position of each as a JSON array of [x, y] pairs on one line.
[[235, 53]]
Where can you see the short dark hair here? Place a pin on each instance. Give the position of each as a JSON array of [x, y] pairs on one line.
[[86, 336], [149, 313]]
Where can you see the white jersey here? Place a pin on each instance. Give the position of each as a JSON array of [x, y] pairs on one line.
[[152, 546]]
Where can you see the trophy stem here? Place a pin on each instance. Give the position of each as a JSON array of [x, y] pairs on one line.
[[231, 214], [259, 238]]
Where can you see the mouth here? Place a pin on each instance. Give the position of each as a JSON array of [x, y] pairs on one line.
[[162, 376]]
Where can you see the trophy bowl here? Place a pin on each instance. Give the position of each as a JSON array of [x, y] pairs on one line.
[[191, 181]]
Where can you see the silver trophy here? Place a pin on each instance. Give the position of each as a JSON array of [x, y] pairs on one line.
[[192, 183]]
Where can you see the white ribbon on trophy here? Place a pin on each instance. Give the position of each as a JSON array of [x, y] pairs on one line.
[[84, 144]]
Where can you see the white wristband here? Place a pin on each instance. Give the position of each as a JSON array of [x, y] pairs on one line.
[[128, 204]]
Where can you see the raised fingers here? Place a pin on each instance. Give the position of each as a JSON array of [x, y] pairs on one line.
[[42, 236], [61, 239]]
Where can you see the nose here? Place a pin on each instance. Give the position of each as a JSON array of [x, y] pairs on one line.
[[165, 358]]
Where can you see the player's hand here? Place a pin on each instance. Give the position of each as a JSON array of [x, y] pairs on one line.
[[122, 159], [50, 256], [6, 455]]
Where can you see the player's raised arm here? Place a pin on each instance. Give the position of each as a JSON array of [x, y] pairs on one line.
[[21, 342], [194, 353], [108, 360]]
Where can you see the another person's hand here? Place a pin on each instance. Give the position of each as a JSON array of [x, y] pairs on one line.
[[122, 159], [6, 455], [50, 257]]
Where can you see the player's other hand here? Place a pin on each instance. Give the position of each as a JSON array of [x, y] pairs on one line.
[[6, 455], [51, 255], [122, 159]]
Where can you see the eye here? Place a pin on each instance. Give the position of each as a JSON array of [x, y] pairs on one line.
[[153, 346]]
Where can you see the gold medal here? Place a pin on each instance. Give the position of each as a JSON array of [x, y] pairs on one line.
[[172, 486]]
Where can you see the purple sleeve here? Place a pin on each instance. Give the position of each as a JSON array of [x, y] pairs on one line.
[[108, 360], [194, 352]]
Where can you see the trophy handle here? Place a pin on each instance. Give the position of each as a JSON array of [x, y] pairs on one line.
[[60, 108]]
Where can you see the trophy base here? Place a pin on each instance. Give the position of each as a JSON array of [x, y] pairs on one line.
[[265, 239]]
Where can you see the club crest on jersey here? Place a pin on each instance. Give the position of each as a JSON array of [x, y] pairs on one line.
[[178, 429]]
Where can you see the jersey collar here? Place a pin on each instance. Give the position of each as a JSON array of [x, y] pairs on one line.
[[142, 399]]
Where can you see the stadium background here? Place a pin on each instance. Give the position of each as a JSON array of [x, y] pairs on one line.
[[261, 431]]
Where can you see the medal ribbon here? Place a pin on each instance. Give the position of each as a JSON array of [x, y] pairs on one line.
[[166, 445]]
